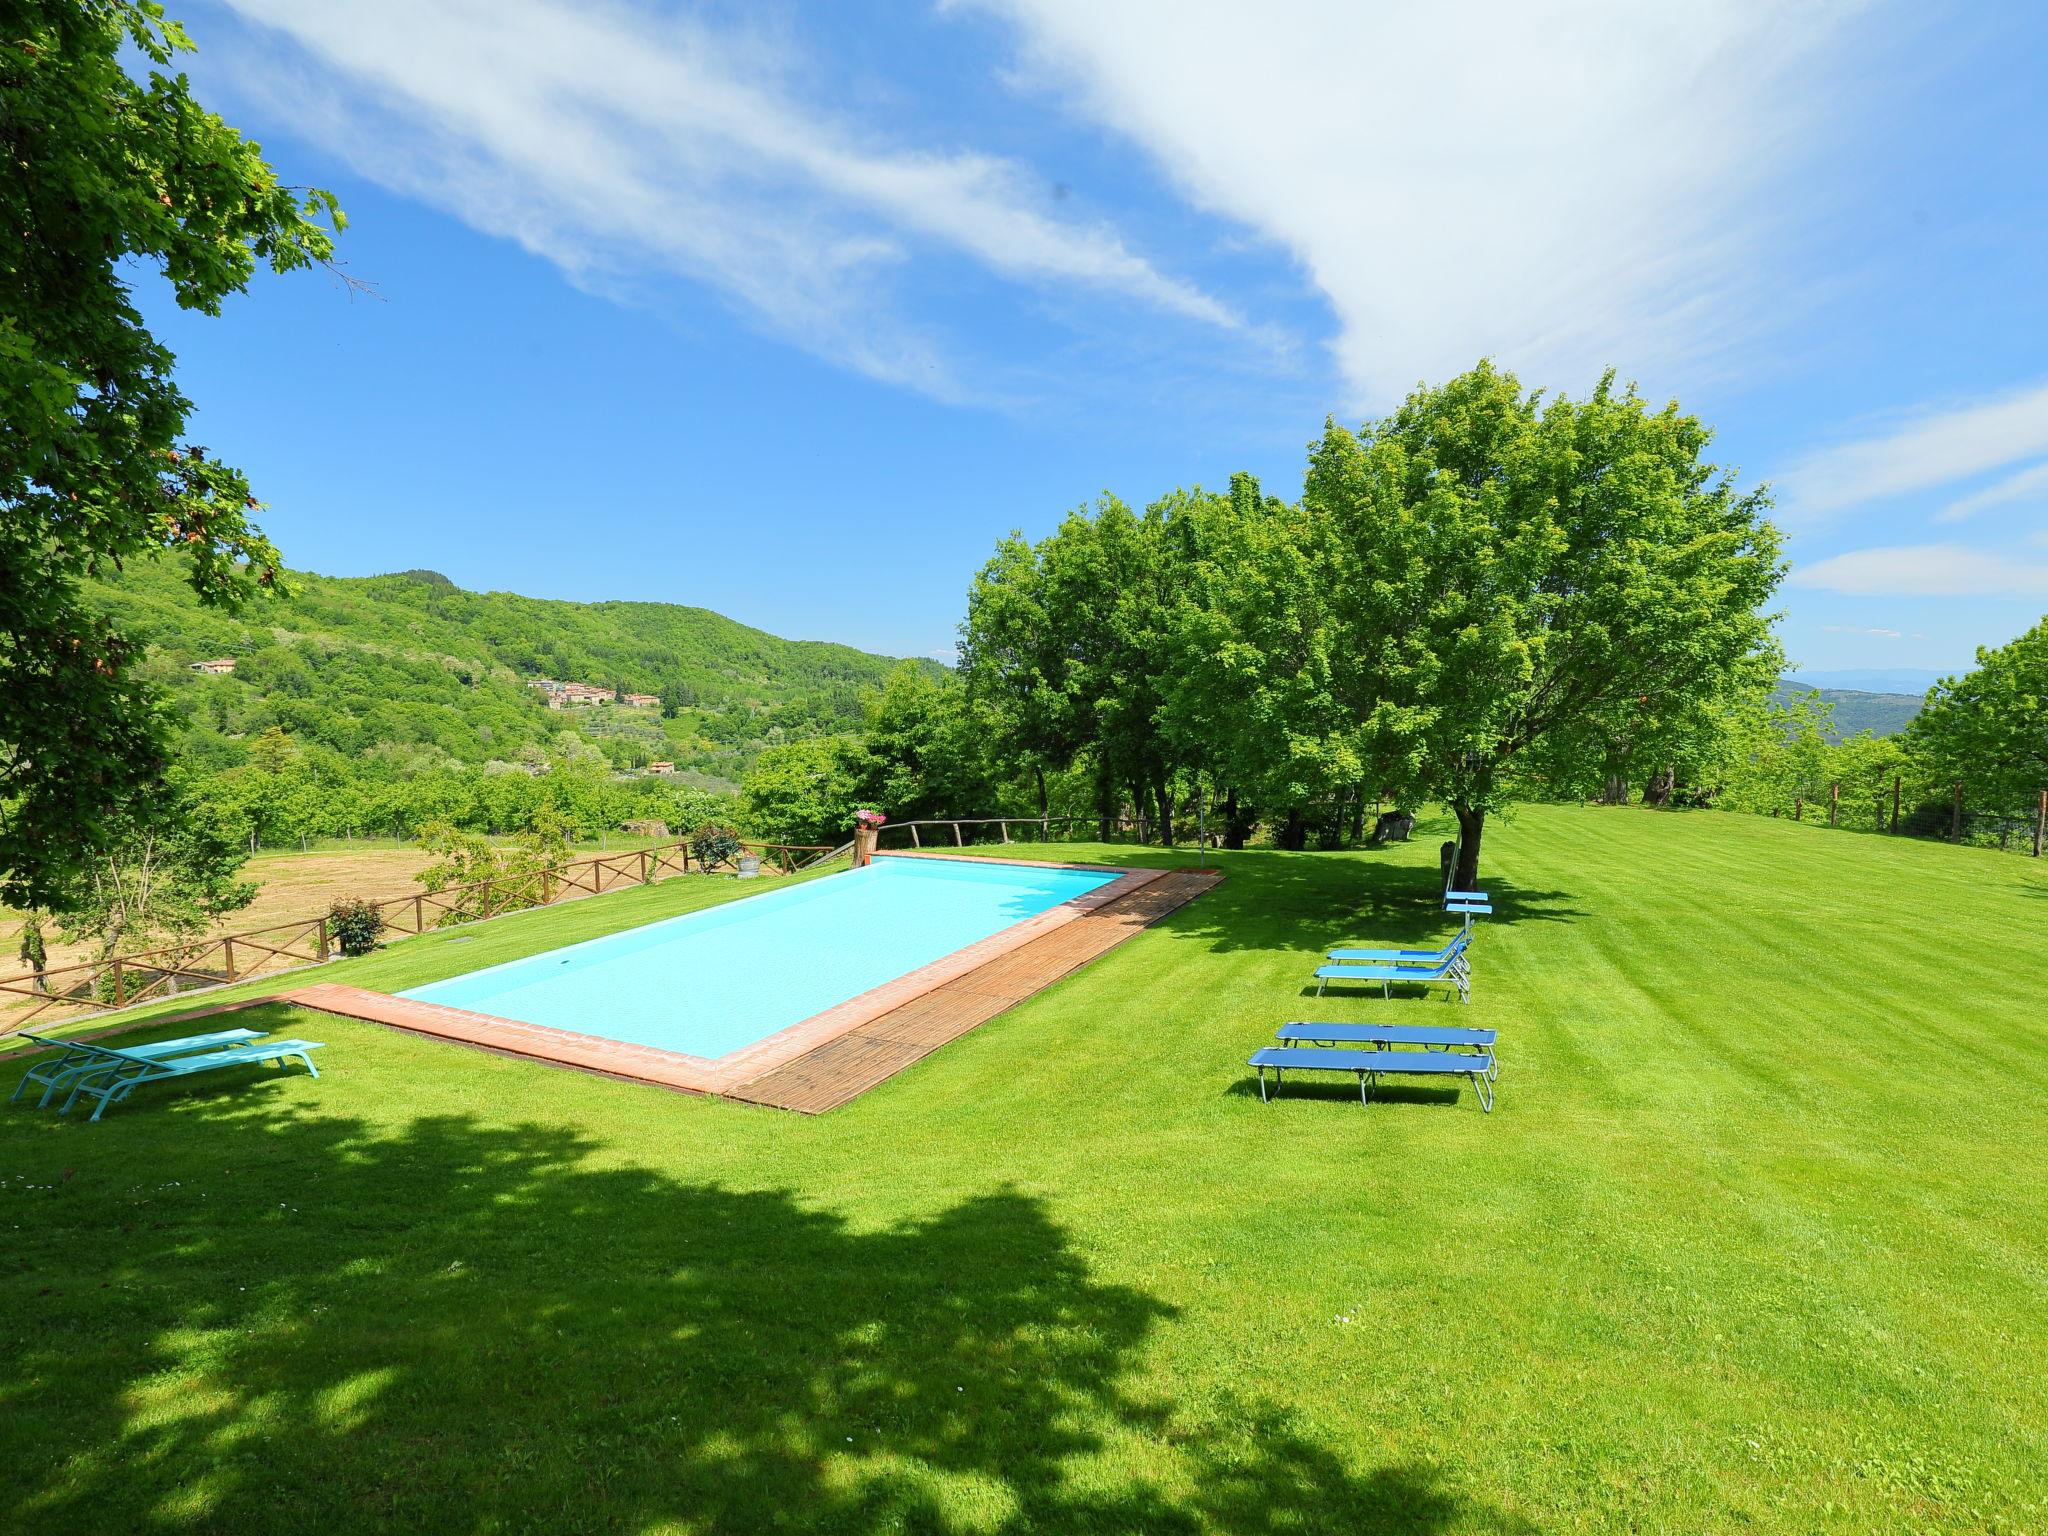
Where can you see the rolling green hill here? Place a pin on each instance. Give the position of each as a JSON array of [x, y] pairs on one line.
[[1882, 714], [413, 667]]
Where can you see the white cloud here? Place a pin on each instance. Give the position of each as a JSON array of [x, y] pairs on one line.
[[1933, 448], [611, 141], [1559, 186], [1924, 570], [1858, 629], [2027, 485]]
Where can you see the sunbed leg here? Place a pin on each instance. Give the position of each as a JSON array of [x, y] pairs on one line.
[[1321, 982], [1262, 1087], [1484, 1088]]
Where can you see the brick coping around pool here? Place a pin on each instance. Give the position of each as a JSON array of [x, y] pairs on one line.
[[826, 1059]]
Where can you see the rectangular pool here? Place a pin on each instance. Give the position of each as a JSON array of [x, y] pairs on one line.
[[708, 983]]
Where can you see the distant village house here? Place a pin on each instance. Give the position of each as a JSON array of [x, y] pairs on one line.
[[661, 767], [220, 666], [644, 700], [570, 695]]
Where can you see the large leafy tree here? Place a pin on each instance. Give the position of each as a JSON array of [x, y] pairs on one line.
[[1250, 701], [1112, 584], [101, 172], [1515, 578], [1017, 667], [1988, 729]]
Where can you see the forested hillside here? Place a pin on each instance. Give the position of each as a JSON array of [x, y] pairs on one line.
[[413, 669], [1881, 714]]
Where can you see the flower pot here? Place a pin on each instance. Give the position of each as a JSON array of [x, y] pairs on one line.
[[750, 865], [863, 845]]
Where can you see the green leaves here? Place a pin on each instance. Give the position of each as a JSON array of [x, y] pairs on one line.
[[1989, 728], [103, 169]]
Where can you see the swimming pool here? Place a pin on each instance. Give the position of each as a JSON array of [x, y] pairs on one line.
[[713, 982]]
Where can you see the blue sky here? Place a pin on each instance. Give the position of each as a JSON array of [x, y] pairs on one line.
[[791, 312]]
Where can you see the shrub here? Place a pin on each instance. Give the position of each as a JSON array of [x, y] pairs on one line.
[[355, 924], [713, 845]]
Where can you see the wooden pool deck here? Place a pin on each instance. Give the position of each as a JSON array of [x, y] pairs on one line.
[[838, 1055], [830, 1074]]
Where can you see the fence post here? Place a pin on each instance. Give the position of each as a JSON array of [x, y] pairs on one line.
[[1895, 802], [957, 841], [1005, 825], [419, 914], [1955, 817], [1834, 801], [227, 949], [2040, 821], [644, 876], [323, 938], [120, 986], [915, 840]]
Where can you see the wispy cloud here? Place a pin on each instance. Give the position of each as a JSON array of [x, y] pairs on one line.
[[1929, 449], [1924, 570], [1858, 629], [2027, 485], [615, 143], [1463, 179]]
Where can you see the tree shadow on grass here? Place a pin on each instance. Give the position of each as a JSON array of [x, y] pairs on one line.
[[1277, 900], [240, 1318]]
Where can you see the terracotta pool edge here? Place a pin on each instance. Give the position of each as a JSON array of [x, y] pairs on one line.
[[698, 1074]]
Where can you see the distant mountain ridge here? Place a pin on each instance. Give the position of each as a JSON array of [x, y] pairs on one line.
[[1907, 680]]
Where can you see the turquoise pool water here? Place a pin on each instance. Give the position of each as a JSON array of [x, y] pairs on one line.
[[709, 982]]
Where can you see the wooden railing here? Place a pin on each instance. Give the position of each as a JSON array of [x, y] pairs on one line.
[[122, 981]]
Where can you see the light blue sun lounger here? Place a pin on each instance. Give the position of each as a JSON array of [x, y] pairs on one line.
[[74, 1059], [1453, 972], [118, 1073], [1466, 896], [1429, 1037], [1422, 957], [1371, 1066]]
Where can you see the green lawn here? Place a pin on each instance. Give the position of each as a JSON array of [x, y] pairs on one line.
[[1757, 1238]]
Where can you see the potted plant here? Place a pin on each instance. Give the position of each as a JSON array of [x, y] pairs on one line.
[[867, 827]]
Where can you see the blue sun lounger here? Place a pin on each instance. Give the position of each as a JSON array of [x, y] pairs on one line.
[[75, 1058], [1371, 1066], [118, 1073], [1453, 971], [1429, 1037], [1411, 957]]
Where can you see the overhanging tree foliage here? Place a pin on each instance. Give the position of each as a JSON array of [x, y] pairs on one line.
[[99, 169], [1516, 580]]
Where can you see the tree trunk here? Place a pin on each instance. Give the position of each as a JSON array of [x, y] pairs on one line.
[[1163, 796], [1043, 805], [1358, 816], [1616, 792], [1294, 835], [1471, 827], [1233, 830]]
